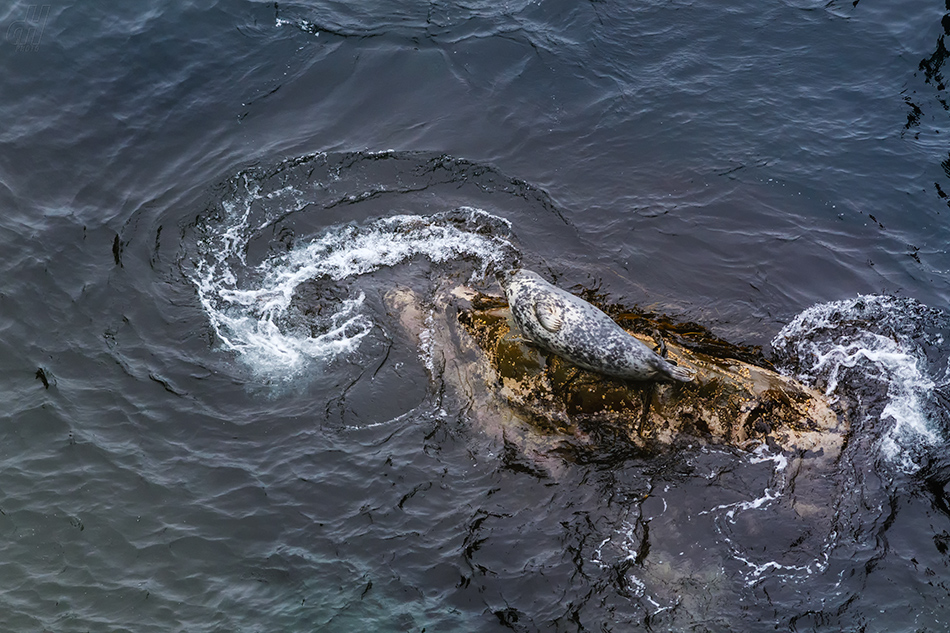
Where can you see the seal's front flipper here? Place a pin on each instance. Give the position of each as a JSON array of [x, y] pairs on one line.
[[660, 343], [549, 315]]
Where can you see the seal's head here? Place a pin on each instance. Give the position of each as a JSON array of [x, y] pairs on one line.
[[505, 276]]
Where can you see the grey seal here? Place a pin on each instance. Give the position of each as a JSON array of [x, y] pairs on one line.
[[572, 328]]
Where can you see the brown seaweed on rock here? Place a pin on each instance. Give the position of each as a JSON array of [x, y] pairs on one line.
[[547, 406]]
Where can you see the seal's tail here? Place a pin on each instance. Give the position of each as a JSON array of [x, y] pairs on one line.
[[681, 374]]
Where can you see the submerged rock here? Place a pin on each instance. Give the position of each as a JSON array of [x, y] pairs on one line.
[[543, 404], [546, 415]]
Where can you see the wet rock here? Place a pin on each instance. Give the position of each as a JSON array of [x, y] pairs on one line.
[[730, 401], [545, 404]]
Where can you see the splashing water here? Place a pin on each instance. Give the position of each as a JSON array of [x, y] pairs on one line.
[[248, 304], [876, 352]]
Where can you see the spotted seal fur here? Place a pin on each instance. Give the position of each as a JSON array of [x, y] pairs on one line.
[[570, 327]]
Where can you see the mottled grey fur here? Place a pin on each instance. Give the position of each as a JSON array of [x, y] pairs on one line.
[[570, 327]]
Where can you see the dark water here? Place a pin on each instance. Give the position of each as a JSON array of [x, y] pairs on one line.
[[213, 424]]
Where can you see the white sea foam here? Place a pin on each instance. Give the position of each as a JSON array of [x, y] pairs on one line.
[[848, 346], [629, 543], [247, 305]]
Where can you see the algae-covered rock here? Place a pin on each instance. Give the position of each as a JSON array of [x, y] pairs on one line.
[[538, 401]]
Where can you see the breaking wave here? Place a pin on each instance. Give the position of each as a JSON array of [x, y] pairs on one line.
[[881, 358]]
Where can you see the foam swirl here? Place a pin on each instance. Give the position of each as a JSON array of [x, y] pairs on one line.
[[248, 305]]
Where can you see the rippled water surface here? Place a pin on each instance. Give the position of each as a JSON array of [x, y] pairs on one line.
[[215, 420]]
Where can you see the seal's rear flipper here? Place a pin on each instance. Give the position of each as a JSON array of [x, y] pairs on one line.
[[681, 374]]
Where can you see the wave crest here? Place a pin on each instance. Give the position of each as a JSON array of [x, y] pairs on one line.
[[877, 356]]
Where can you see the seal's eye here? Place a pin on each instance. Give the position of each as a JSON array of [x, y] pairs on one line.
[[504, 276]]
